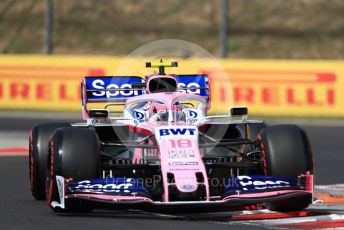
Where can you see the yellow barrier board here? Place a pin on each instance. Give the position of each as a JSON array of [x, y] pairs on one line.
[[267, 87]]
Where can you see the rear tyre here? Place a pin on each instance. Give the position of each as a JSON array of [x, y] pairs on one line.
[[286, 152], [38, 155], [74, 153]]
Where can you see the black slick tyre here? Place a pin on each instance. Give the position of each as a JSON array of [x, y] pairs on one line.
[[286, 152], [38, 155], [74, 153]]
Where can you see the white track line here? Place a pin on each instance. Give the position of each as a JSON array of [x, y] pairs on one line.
[[330, 186], [294, 220], [224, 214]]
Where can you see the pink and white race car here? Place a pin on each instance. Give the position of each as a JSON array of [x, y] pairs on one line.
[[162, 150]]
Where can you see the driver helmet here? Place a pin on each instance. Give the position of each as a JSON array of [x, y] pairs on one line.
[[160, 112]]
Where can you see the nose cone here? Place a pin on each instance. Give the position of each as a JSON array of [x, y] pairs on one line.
[[186, 182]]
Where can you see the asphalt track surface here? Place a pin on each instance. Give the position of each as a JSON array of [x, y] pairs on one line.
[[18, 210]]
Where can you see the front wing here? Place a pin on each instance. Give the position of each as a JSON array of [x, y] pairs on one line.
[[130, 192]]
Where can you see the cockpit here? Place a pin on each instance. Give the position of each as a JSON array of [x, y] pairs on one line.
[[165, 107]]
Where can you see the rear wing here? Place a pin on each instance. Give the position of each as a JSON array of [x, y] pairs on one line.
[[107, 89]]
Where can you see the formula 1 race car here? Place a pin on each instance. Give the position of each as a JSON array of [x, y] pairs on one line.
[[164, 151]]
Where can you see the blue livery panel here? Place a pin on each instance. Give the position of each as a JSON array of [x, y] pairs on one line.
[[109, 186], [197, 81], [254, 184], [117, 88]]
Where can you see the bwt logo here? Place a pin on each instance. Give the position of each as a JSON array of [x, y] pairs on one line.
[[177, 131], [100, 84]]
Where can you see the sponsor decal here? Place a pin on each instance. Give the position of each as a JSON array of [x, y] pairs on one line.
[[192, 88], [247, 182], [107, 185], [111, 87], [191, 116], [87, 186], [188, 187], [139, 114], [195, 84], [178, 137], [177, 132], [176, 154], [260, 183], [183, 169], [182, 163]]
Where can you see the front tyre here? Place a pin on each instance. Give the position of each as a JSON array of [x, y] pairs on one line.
[[38, 155], [286, 152], [74, 153]]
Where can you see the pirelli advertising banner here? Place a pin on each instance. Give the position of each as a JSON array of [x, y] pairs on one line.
[[267, 87]]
